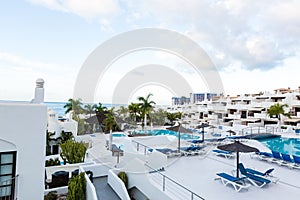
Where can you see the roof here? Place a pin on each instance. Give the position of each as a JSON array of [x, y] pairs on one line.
[[255, 109], [251, 119], [293, 120]]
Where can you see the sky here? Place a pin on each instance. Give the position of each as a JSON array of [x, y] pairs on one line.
[[254, 45]]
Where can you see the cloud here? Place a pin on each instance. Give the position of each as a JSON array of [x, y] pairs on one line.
[[89, 9], [255, 34]]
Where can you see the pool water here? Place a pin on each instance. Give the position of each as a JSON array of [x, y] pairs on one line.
[[289, 146], [183, 136], [118, 135]]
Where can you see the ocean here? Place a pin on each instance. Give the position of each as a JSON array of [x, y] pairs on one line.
[[58, 107]]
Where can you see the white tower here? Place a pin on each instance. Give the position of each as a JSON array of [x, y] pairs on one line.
[[39, 91]]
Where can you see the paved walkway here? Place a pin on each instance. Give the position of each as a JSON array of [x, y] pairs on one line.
[[104, 191]]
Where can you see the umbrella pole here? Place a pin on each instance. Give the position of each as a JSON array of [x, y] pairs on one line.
[[237, 164], [178, 142], [202, 133]]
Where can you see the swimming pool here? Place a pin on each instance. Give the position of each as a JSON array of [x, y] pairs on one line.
[[183, 136], [289, 146], [118, 135]]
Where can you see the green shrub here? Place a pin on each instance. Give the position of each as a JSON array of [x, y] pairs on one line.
[[123, 177], [73, 152], [52, 162], [51, 196], [77, 187]]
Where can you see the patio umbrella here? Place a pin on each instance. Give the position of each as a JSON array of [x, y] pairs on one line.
[[203, 125], [180, 129], [237, 147], [231, 132]]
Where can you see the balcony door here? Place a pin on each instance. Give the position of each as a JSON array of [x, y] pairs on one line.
[[7, 175]]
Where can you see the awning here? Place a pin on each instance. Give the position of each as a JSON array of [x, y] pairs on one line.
[[271, 119], [251, 120], [255, 109], [293, 120]]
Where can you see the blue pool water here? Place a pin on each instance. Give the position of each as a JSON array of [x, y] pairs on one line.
[[118, 135], [183, 136], [289, 146]]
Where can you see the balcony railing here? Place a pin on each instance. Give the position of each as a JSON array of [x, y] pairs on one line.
[[8, 189]]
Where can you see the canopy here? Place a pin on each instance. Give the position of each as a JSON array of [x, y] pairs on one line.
[[237, 147], [180, 129]]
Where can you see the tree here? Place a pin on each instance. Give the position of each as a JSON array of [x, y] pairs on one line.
[[173, 116], [158, 117], [110, 123], [134, 109], [99, 108], [77, 187], [75, 106], [65, 136], [122, 112], [48, 141], [89, 109], [277, 110], [146, 106], [73, 152]]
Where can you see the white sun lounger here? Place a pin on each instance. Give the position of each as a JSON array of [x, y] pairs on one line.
[[237, 183], [226, 154]]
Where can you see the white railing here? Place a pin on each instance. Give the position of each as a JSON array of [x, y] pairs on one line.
[[117, 185], [91, 193]]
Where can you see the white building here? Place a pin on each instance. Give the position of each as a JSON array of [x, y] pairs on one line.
[[22, 148]]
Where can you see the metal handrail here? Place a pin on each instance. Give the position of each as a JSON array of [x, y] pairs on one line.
[[140, 144], [258, 128], [193, 194], [12, 182]]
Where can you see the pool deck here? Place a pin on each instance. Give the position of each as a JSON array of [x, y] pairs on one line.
[[197, 173]]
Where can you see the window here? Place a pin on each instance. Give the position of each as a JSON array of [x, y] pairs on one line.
[[7, 174]]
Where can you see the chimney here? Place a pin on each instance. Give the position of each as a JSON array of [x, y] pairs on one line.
[[39, 91]]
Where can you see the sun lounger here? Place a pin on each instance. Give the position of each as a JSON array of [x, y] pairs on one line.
[[237, 183], [287, 160], [196, 141], [267, 174], [296, 159], [255, 172], [290, 162], [265, 156], [255, 180], [277, 158], [226, 154]]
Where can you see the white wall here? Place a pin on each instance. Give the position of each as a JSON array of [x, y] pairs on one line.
[[24, 125]]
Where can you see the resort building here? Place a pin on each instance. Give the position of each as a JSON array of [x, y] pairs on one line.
[[22, 147]]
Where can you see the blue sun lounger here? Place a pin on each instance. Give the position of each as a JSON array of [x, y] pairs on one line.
[[255, 180], [267, 174], [289, 161], [237, 183], [255, 172], [296, 159], [226, 154]]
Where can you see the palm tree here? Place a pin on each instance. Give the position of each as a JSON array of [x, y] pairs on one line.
[[134, 109], [65, 136], [172, 117], [110, 123], [89, 109], [122, 112], [74, 105], [146, 106], [99, 108], [277, 110], [48, 141]]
